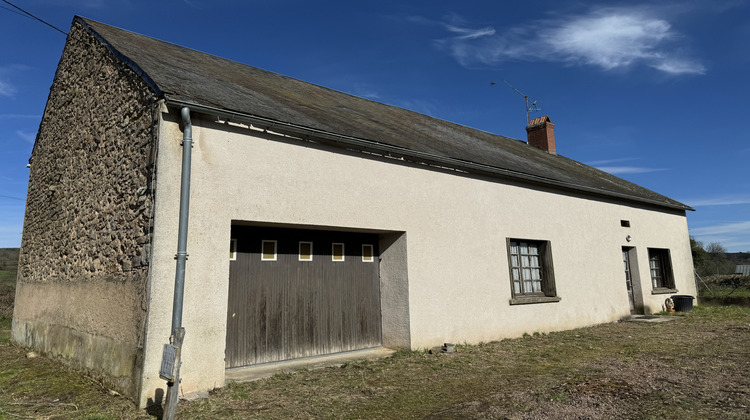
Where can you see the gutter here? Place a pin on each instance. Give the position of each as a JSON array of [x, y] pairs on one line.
[[407, 154]]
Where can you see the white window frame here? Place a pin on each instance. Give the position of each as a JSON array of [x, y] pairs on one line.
[[333, 252], [233, 249], [372, 253], [545, 265], [263, 249], [661, 272], [523, 274], [299, 251]]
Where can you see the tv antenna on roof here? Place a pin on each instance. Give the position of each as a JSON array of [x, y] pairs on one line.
[[530, 105]]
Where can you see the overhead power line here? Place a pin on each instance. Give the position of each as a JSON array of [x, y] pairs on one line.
[[13, 198], [14, 11], [34, 17]]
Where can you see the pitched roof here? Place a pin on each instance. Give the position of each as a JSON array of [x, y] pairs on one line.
[[206, 82]]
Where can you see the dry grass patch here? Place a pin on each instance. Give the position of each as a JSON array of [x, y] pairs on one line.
[[693, 368]]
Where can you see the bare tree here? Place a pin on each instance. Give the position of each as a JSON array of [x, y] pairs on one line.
[[717, 259]]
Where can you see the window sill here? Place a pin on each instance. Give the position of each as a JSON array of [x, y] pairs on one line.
[[534, 299], [662, 291]]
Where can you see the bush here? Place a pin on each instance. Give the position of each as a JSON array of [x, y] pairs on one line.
[[725, 285]]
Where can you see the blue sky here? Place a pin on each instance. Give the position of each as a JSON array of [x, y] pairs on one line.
[[654, 93]]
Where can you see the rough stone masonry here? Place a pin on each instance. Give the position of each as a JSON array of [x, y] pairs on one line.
[[85, 250]]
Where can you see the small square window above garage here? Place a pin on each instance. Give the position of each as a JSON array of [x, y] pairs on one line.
[[233, 250], [368, 253], [337, 252], [305, 251], [269, 250]]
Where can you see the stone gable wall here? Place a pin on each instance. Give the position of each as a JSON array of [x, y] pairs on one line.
[[85, 251]]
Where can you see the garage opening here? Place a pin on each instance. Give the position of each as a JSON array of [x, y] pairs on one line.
[[297, 293]]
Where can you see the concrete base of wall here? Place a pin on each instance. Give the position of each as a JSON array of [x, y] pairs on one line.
[[252, 373], [89, 326], [111, 361]]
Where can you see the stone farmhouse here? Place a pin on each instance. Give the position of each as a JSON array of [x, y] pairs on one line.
[[319, 223]]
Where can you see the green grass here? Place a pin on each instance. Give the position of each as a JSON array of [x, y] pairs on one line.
[[719, 291], [7, 294], [732, 285]]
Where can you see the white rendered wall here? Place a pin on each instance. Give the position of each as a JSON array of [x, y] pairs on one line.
[[456, 229]]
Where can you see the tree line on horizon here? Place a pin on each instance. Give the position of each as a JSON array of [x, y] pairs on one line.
[[713, 259]]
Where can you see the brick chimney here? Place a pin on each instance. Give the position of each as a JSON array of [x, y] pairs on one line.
[[541, 133]]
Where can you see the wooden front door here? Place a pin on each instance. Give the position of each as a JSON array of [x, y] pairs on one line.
[[296, 293]]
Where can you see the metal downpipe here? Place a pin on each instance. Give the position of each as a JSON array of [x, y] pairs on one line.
[[178, 332], [179, 280]]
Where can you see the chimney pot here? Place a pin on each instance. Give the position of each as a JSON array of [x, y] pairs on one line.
[[541, 133]]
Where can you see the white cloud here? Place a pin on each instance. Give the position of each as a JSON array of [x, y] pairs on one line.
[[679, 66], [726, 200], [598, 163], [465, 33], [19, 116], [606, 165], [368, 94], [422, 106], [734, 236], [733, 228], [606, 40], [614, 38], [617, 170], [6, 89], [27, 136], [363, 90]]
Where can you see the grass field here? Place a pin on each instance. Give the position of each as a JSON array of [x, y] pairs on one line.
[[692, 368], [7, 293]]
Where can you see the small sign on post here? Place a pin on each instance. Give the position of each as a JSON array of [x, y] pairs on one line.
[[168, 370]]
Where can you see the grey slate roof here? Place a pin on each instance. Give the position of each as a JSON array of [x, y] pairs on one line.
[[179, 74]]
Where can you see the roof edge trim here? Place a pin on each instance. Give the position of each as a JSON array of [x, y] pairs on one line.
[[122, 57], [373, 146]]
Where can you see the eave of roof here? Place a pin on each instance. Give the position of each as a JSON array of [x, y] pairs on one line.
[[225, 88]]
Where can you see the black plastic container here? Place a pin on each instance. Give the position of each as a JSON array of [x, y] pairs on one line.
[[683, 303]]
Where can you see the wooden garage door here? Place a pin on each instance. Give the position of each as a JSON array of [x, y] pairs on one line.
[[296, 293]]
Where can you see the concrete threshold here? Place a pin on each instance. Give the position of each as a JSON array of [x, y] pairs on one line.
[[650, 318], [265, 370]]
